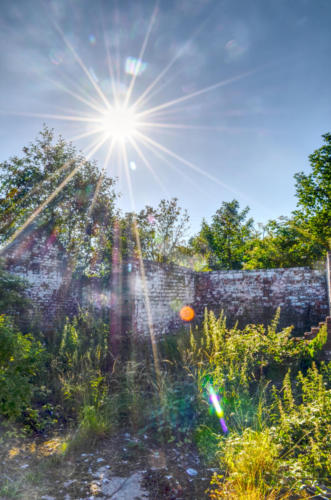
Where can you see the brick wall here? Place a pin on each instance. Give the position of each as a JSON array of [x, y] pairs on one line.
[[169, 288], [245, 296], [254, 296], [42, 263]]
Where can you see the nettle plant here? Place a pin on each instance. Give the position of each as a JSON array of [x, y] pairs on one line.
[[302, 425]]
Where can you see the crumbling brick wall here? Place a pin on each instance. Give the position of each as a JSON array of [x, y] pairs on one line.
[[245, 296], [41, 262], [254, 296], [169, 288]]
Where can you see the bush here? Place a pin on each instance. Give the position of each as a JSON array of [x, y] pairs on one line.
[[302, 424], [20, 359], [278, 440], [250, 460], [95, 424], [13, 300]]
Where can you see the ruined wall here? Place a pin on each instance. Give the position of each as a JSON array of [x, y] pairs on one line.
[[254, 296], [43, 264], [246, 296], [169, 288]]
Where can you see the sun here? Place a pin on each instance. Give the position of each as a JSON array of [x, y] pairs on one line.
[[125, 118], [120, 123]]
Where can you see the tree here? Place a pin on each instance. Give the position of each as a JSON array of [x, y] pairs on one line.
[[161, 230], [314, 196], [82, 224], [225, 239], [283, 243], [302, 239]]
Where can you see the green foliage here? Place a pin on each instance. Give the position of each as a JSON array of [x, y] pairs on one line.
[[207, 441], [85, 231], [234, 359], [302, 424], [95, 423], [161, 231], [224, 240], [283, 243], [250, 459], [278, 440], [304, 238], [173, 412], [313, 192], [78, 364], [20, 359], [12, 298], [314, 346]]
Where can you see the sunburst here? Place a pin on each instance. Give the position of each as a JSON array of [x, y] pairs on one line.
[[120, 123], [125, 123]]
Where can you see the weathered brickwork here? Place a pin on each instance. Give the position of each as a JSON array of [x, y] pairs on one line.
[[43, 265], [169, 288], [254, 296], [245, 296]]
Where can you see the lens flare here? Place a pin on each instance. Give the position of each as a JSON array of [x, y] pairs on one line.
[[134, 66], [215, 400], [186, 313]]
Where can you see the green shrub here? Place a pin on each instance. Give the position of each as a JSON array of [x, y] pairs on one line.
[[20, 359], [252, 469], [95, 423], [302, 424]]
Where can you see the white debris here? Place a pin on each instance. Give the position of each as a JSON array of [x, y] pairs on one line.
[[69, 482], [123, 488]]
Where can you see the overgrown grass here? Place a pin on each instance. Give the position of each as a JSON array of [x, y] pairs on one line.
[[274, 393]]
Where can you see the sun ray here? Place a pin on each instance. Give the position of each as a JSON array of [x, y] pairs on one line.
[[52, 116], [36, 188], [181, 126], [74, 94], [109, 61], [186, 97], [187, 163], [149, 166], [142, 52], [185, 126], [51, 197], [157, 90], [118, 65], [142, 270], [83, 135], [175, 112], [82, 65], [172, 62], [97, 188], [179, 171], [200, 171]]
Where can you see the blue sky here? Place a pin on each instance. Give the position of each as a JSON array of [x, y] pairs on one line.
[[247, 136]]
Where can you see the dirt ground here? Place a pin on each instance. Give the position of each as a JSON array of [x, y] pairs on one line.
[[123, 467]]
